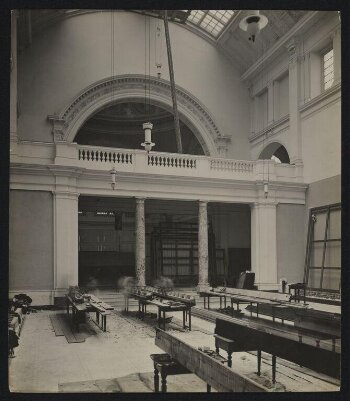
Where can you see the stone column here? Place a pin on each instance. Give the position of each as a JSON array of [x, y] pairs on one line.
[[264, 244], [294, 98], [65, 241], [140, 249], [203, 265]]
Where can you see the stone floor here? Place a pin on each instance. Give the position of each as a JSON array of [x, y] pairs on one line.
[[119, 360]]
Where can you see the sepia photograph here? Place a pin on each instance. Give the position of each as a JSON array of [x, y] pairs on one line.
[[174, 201]]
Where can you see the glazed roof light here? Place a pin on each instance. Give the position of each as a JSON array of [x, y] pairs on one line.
[[211, 21]]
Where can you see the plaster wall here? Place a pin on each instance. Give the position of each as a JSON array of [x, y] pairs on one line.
[[321, 143], [76, 52], [31, 240], [290, 242]]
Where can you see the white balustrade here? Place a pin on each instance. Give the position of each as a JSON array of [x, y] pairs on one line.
[[240, 166], [172, 160], [105, 155], [138, 161]]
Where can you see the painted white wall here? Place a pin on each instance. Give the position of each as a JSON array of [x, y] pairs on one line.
[[290, 242], [31, 241], [321, 143], [76, 52]]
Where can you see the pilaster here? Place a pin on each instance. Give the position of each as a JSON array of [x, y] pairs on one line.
[[293, 48], [270, 103], [222, 145], [264, 244], [65, 240]]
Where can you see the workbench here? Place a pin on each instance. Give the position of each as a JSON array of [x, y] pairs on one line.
[[165, 302], [300, 347], [79, 310]]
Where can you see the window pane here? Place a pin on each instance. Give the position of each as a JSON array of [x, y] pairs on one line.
[[211, 21], [328, 69]]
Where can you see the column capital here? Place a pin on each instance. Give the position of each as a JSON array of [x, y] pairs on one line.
[[139, 199], [293, 49], [66, 194], [202, 203]]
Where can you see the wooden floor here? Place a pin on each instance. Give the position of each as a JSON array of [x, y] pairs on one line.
[[119, 360]]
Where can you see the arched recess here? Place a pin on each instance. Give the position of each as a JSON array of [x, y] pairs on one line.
[[276, 151], [130, 88]]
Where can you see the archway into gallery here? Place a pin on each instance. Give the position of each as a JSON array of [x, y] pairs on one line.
[[120, 126], [276, 152]]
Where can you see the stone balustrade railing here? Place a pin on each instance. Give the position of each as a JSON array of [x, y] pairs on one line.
[[174, 164]]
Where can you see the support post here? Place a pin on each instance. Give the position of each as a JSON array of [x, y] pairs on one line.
[[203, 265], [140, 253], [172, 84]]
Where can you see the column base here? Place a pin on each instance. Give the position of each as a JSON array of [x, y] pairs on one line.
[[268, 286], [203, 287]]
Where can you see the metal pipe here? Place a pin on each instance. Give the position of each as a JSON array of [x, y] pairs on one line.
[[172, 84]]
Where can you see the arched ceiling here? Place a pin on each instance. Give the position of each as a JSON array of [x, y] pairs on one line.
[[217, 26]]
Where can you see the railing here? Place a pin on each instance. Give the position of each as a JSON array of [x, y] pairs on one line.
[[105, 155], [232, 165], [174, 164], [177, 161]]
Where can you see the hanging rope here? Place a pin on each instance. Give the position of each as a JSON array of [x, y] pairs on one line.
[[145, 101], [149, 67], [172, 84]]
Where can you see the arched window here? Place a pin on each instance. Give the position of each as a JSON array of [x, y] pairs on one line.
[[276, 152]]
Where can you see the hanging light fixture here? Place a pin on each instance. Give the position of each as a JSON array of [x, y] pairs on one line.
[[253, 23], [147, 127], [266, 188], [148, 144], [113, 173]]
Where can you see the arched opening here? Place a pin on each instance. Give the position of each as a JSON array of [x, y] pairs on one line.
[[276, 152], [120, 126]]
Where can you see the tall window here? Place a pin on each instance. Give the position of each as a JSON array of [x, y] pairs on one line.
[[328, 69]]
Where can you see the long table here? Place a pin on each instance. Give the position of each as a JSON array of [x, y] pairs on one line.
[[210, 370], [164, 304], [79, 310], [249, 336]]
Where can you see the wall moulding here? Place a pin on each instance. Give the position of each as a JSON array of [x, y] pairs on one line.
[[101, 94]]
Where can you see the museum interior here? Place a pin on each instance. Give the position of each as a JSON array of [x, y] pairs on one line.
[[175, 201]]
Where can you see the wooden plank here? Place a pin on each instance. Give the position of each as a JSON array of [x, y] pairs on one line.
[[215, 374], [57, 325]]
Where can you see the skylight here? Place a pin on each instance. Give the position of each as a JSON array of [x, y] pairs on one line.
[[211, 21]]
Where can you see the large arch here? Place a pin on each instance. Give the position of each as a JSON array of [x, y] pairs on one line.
[[130, 88]]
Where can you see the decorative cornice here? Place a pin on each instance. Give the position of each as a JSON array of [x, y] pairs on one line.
[[320, 98], [126, 83], [270, 128]]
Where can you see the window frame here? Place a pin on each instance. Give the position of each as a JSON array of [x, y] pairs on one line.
[[322, 54]]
